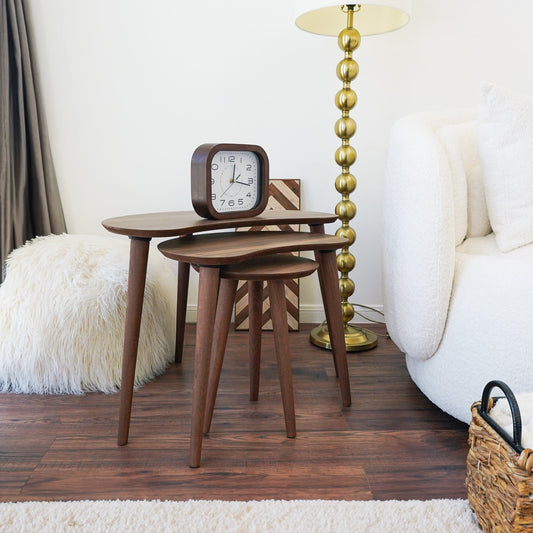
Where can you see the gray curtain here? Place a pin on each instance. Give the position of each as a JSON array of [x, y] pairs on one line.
[[29, 197]]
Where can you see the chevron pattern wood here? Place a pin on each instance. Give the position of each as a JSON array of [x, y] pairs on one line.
[[283, 194]]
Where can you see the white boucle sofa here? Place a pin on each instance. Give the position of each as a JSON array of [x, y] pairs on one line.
[[458, 252]]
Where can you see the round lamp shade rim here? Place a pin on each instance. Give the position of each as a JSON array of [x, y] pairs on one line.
[[323, 18]]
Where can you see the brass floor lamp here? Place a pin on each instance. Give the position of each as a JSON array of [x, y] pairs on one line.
[[348, 22]]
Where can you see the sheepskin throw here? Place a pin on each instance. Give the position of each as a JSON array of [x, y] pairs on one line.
[[62, 316]]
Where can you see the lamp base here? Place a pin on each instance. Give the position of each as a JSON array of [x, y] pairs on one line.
[[357, 339]]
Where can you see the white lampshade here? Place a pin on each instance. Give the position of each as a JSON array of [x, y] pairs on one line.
[[326, 17]]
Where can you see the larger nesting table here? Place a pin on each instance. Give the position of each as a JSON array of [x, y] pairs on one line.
[[222, 249]]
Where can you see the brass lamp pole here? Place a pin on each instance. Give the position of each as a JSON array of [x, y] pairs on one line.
[[374, 17], [357, 339]]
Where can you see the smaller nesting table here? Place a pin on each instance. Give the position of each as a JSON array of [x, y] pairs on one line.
[[215, 251]]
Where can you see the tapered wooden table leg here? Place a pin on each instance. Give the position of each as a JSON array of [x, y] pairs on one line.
[[320, 229], [255, 315], [139, 249], [207, 297], [276, 292], [181, 309], [226, 298], [332, 303]]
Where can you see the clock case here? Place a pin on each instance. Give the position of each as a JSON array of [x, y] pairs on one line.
[[201, 180]]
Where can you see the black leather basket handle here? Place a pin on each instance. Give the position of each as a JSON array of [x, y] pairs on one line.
[[516, 440]]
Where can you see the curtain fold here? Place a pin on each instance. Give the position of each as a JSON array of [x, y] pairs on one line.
[[30, 203]]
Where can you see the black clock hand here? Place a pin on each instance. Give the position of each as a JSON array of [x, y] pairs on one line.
[[241, 182]]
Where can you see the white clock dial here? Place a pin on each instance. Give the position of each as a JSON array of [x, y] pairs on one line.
[[235, 181]]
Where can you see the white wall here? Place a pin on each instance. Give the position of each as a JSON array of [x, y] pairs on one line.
[[132, 87]]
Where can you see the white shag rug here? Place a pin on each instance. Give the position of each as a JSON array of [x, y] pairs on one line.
[[296, 516], [62, 315]]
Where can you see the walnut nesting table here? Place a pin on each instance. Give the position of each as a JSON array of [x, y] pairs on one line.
[[210, 252]]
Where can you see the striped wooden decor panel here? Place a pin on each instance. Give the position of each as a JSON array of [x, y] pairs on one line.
[[283, 194]]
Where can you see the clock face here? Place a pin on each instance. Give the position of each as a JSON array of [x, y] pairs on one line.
[[235, 181]]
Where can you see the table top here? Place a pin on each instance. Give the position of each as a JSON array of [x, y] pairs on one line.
[[233, 247], [175, 223]]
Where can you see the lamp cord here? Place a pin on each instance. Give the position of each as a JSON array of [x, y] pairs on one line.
[[386, 335]]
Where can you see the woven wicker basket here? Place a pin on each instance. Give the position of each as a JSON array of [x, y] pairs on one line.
[[499, 476]]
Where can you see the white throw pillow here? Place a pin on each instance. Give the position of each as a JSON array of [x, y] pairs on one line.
[[506, 150]]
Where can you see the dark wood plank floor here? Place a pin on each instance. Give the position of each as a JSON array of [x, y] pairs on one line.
[[391, 444]]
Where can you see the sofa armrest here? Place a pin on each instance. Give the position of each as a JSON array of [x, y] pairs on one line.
[[419, 234]]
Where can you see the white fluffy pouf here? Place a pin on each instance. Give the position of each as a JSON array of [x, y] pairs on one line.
[[62, 316]]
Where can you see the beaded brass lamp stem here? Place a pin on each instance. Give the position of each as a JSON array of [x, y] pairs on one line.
[[357, 339]]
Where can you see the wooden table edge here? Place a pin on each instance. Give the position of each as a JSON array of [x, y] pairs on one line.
[[176, 223], [198, 249]]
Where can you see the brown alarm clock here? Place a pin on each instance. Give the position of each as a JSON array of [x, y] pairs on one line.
[[229, 180]]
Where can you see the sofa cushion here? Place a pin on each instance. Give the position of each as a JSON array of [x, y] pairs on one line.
[[506, 150], [449, 136], [478, 215], [460, 141]]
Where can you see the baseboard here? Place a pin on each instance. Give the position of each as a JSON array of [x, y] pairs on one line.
[[314, 314]]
